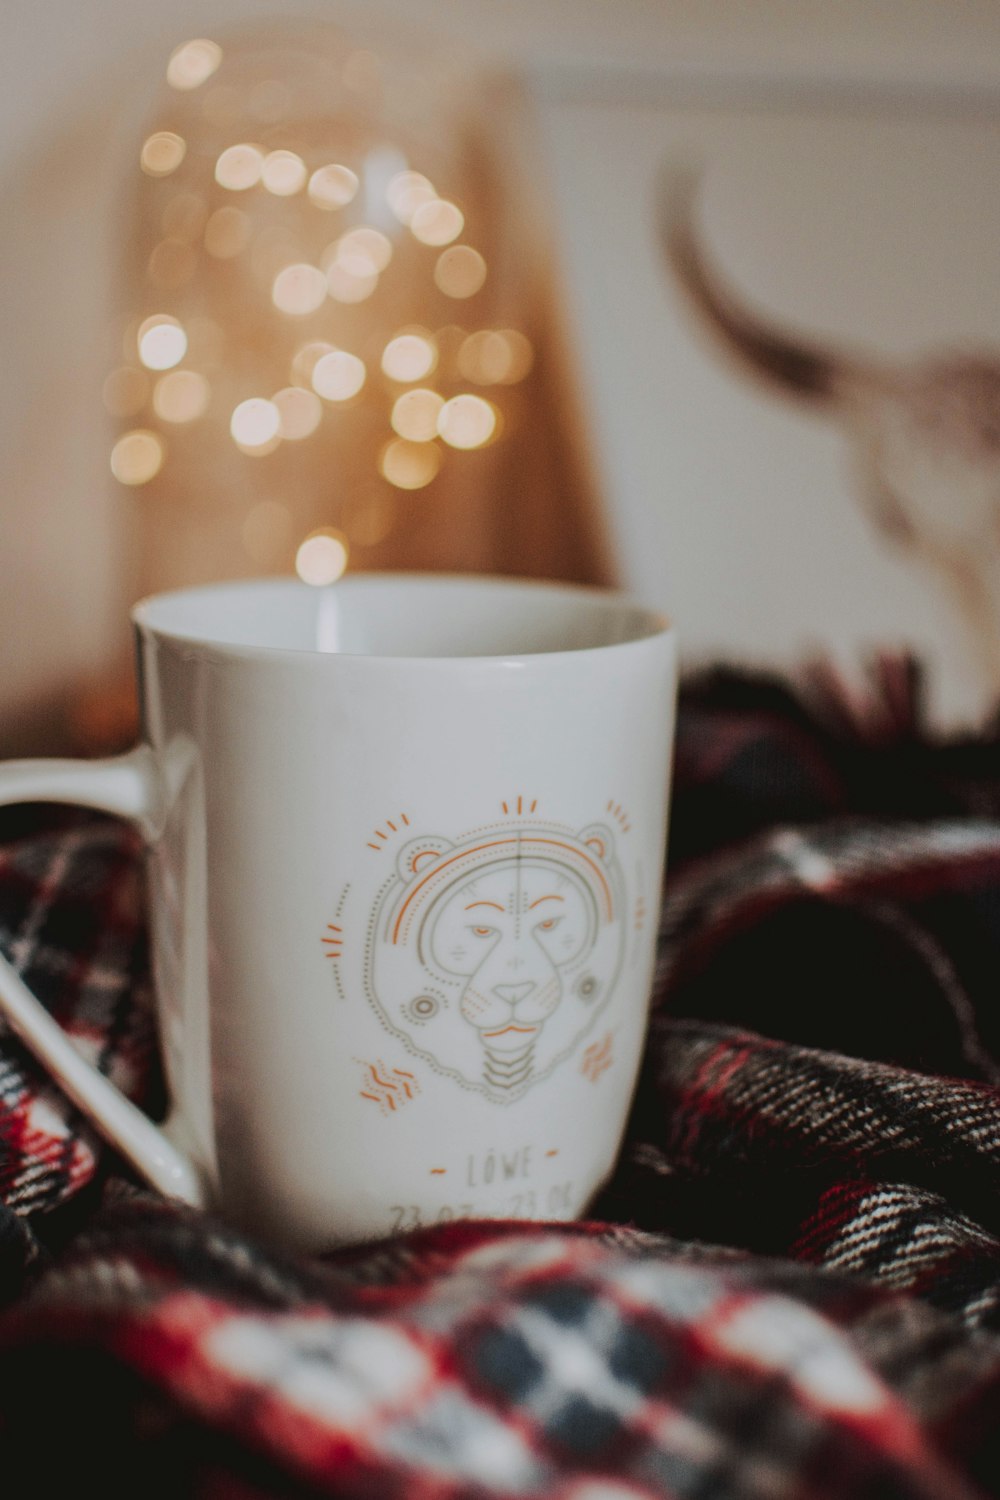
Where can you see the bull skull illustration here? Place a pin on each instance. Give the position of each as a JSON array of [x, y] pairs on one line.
[[926, 434]]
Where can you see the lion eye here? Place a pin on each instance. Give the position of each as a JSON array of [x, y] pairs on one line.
[[548, 924], [483, 931]]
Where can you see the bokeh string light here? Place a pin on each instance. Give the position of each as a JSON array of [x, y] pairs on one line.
[[409, 356], [162, 153], [162, 342], [322, 557], [338, 376], [137, 457], [312, 334], [180, 396], [193, 63]]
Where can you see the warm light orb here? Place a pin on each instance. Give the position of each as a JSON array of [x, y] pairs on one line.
[[501, 356], [256, 425], [283, 173], [409, 466], [415, 415], [300, 412], [125, 392], [408, 191], [361, 252], [162, 342], [332, 186], [322, 557], [344, 286], [299, 289], [137, 457], [305, 361], [373, 244], [192, 63], [460, 271], [437, 222], [409, 356], [239, 167], [521, 355], [181, 396], [227, 233], [467, 421], [162, 153], [338, 376]]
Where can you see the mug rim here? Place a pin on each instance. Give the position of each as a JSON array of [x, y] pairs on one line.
[[651, 624]]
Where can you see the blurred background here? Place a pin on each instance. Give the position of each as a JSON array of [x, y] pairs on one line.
[[498, 287]]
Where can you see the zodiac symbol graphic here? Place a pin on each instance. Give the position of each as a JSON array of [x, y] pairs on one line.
[[499, 949]]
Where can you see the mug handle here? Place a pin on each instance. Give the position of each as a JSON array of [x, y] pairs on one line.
[[129, 786]]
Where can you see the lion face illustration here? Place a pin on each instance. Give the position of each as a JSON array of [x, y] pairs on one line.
[[499, 951]]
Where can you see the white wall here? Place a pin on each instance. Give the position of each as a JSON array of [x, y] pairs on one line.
[[77, 77], [56, 51]]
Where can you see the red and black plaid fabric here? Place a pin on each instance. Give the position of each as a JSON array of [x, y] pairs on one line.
[[790, 1288]]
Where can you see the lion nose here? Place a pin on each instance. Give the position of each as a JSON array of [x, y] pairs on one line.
[[514, 993]]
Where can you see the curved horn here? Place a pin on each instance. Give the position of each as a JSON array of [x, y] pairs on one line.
[[797, 367]]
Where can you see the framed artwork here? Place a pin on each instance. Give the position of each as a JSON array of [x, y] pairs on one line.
[[783, 321]]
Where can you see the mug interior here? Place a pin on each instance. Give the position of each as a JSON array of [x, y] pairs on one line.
[[401, 615]]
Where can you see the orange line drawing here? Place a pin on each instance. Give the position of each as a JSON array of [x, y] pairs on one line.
[[497, 844], [597, 1059], [539, 901], [519, 804], [380, 833], [618, 812], [389, 1088], [376, 847], [555, 1152], [407, 1090], [533, 805], [496, 904], [438, 1171], [505, 807], [333, 927]]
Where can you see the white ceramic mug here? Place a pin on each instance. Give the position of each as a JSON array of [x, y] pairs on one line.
[[405, 843]]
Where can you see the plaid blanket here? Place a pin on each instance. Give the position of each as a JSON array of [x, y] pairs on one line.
[[790, 1288]]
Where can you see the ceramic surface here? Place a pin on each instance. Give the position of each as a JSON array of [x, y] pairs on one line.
[[405, 843]]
